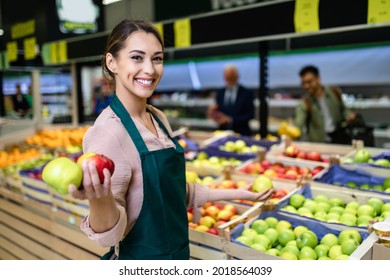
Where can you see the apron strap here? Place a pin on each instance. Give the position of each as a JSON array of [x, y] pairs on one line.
[[118, 108]]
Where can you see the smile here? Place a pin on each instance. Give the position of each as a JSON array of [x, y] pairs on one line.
[[144, 82]]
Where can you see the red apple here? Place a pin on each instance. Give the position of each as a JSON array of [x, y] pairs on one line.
[[292, 174], [291, 151], [231, 208], [302, 155], [228, 184], [266, 164], [270, 173], [192, 225], [280, 193], [224, 215], [250, 168], [313, 155], [207, 204], [213, 231], [304, 170], [219, 223], [212, 211], [316, 170], [100, 161]]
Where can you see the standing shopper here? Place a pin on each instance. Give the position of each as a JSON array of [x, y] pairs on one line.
[[141, 211], [233, 108]]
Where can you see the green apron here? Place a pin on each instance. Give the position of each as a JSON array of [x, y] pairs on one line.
[[161, 230]]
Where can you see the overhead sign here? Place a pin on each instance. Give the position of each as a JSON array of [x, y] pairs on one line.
[[306, 18], [378, 11]]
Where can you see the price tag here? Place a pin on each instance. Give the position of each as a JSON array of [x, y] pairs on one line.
[[160, 29], [306, 17], [30, 48], [12, 51], [62, 51], [182, 30], [53, 53], [378, 11], [45, 53]]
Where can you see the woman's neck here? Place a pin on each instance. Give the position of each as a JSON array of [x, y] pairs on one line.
[[134, 105]]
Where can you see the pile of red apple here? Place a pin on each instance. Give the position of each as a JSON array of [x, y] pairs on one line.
[[213, 215], [231, 184], [294, 152], [279, 170]]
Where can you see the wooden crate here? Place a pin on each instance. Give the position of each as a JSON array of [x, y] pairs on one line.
[[31, 230]]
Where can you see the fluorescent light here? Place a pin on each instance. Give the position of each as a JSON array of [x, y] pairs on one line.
[[108, 2]]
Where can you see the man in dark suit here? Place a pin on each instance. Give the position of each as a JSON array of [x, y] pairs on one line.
[[234, 104]]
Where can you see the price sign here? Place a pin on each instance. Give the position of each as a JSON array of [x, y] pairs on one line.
[[378, 11], [306, 17], [12, 51], [182, 30], [30, 48]]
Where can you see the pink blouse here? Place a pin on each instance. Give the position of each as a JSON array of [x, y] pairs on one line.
[[108, 136]]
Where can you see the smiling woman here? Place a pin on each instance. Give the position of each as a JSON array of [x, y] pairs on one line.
[[143, 204]]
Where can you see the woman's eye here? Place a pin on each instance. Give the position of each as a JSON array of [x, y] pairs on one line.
[[136, 57], [158, 58]]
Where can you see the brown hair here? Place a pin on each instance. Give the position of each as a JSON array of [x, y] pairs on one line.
[[118, 36]]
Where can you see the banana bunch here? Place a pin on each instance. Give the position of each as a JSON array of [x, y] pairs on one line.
[[289, 130]]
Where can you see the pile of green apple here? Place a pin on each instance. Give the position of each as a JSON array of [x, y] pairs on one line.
[[193, 177], [335, 210], [385, 187], [279, 238], [239, 146], [364, 156], [203, 160]]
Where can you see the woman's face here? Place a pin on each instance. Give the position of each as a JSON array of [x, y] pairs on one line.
[[139, 65]]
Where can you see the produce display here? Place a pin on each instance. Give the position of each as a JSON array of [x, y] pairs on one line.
[[203, 160], [336, 210], [279, 170], [363, 156], [239, 146], [280, 238], [213, 216], [294, 152]]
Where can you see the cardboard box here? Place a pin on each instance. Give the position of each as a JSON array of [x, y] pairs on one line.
[[380, 252]]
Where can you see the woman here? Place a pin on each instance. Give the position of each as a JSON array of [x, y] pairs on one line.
[[141, 210]]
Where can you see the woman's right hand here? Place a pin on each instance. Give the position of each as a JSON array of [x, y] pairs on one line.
[[91, 187]]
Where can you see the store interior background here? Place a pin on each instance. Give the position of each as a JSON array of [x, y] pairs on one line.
[[64, 93]]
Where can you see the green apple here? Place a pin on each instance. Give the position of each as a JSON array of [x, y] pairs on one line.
[[260, 226], [311, 205], [348, 219], [320, 198], [271, 221], [386, 183], [283, 224], [385, 207], [382, 162], [290, 209], [262, 183], [292, 249], [303, 210], [320, 215], [321, 250], [299, 229], [349, 234], [329, 239], [286, 235], [192, 176], [363, 220], [342, 257], [336, 209], [307, 253], [349, 210], [366, 209], [297, 200], [324, 258], [202, 155], [335, 251], [61, 172], [353, 204], [387, 190], [307, 238], [207, 221], [378, 188], [351, 185], [349, 246], [385, 214], [307, 214], [292, 243], [288, 256], [333, 217], [245, 240], [362, 156], [264, 240], [365, 186], [376, 203], [336, 201], [250, 233], [272, 234], [322, 206], [273, 252], [258, 247]]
